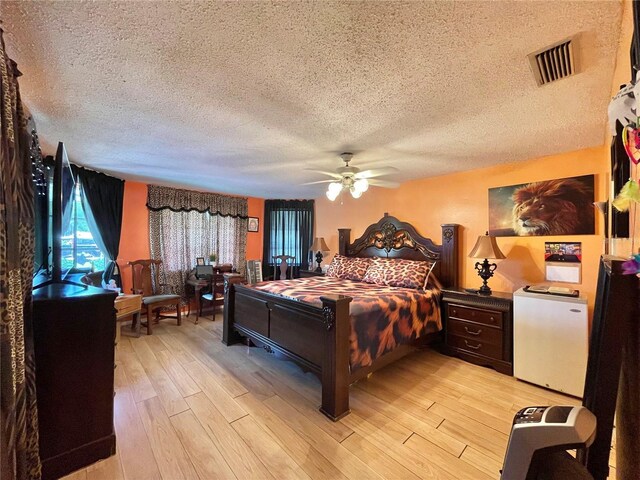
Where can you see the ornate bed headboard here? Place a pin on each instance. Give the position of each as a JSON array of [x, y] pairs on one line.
[[391, 238]]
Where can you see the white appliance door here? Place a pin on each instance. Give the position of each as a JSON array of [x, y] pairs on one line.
[[550, 342]]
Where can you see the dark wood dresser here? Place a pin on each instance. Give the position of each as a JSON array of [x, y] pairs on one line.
[[74, 333], [479, 328]]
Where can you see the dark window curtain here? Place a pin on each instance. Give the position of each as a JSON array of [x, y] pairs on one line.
[[102, 202], [19, 457], [288, 230]]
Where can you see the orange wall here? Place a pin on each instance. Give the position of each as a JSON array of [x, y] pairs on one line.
[[254, 239], [134, 237], [462, 198]]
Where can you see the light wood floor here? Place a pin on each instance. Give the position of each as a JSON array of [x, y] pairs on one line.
[[188, 407]]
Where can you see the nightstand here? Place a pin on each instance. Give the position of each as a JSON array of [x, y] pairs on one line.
[[479, 328], [310, 273]]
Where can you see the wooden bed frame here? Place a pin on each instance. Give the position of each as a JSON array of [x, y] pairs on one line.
[[317, 338]]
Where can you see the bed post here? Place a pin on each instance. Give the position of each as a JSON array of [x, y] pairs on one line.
[[229, 335], [335, 363], [344, 237], [449, 269]]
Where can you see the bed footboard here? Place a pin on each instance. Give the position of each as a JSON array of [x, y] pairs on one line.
[[315, 337]]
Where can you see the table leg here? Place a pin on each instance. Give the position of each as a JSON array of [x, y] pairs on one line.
[[197, 293], [137, 321]]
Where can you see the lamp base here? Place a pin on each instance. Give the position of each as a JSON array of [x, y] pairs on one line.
[[318, 261], [485, 271]]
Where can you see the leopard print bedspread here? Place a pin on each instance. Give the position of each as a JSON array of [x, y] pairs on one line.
[[382, 317]]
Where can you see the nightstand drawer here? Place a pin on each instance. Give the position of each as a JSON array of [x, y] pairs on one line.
[[488, 317], [475, 346], [475, 332]]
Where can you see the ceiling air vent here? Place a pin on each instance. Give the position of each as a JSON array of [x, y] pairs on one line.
[[555, 62]]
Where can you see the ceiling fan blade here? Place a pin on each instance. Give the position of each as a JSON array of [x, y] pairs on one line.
[[383, 183], [324, 172], [376, 172], [319, 181]]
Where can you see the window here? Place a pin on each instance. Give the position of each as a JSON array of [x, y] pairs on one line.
[[288, 230], [79, 250], [285, 240]]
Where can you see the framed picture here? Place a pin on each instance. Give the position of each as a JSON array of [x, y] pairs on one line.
[[563, 206], [199, 260], [562, 262], [253, 224]]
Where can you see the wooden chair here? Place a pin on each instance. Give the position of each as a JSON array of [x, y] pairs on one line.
[[280, 262], [152, 299], [215, 296]]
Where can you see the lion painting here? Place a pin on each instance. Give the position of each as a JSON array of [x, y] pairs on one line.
[[553, 207]]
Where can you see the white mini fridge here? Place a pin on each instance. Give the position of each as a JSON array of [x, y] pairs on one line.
[[550, 340]]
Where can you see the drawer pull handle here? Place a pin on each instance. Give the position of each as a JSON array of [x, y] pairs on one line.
[[575, 310], [492, 319], [466, 329], [472, 347]]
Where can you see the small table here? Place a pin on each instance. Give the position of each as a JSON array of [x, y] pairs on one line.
[[127, 306]]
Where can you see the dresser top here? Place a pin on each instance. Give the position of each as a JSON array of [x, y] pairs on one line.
[[462, 291]]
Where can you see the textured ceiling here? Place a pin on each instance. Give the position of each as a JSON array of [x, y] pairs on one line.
[[241, 97]]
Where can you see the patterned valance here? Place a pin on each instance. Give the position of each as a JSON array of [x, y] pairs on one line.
[[177, 200]]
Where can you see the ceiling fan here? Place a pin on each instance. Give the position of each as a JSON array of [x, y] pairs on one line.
[[353, 179]]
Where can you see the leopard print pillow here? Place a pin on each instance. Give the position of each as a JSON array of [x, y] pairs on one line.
[[348, 268], [395, 272]]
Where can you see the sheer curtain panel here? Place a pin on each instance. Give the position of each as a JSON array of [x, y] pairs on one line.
[[184, 225]]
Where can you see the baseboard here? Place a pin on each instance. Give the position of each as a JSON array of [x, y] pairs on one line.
[[67, 462]]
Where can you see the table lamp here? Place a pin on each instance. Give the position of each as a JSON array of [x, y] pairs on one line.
[[486, 247], [319, 245]]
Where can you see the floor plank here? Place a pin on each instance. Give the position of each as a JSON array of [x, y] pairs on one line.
[[241, 460], [170, 455], [305, 455], [139, 382], [168, 393], [138, 461], [207, 460], [279, 463]]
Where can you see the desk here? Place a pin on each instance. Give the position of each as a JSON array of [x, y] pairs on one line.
[[126, 306], [201, 285]]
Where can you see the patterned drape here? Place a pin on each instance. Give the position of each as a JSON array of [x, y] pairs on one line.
[[182, 228], [19, 429]]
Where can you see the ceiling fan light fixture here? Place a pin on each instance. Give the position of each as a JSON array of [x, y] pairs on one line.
[[362, 185], [355, 193], [335, 187], [332, 193]]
